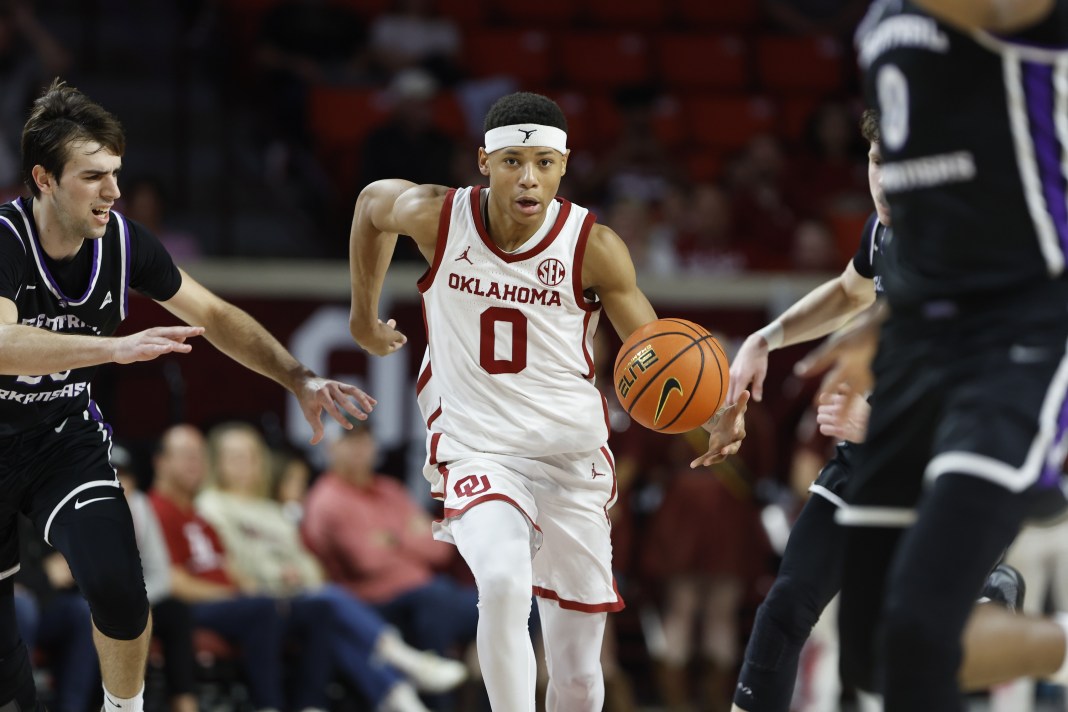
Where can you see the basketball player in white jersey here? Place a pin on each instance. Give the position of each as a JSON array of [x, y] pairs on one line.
[[517, 431]]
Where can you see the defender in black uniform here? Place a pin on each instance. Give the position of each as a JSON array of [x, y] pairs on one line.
[[970, 406], [810, 573], [67, 263]]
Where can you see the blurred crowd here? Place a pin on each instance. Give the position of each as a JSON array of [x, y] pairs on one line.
[[278, 586], [697, 142]]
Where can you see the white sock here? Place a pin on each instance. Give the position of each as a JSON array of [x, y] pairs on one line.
[[114, 703], [1061, 676], [402, 698], [392, 648]]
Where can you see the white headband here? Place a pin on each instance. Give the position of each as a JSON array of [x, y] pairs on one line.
[[520, 135]]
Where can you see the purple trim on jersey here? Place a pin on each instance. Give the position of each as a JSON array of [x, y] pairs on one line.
[[125, 290], [48, 275], [1052, 472], [94, 411], [14, 232], [1038, 90]]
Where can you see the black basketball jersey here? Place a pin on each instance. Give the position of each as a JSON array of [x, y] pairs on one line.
[[973, 133], [871, 257], [87, 295]]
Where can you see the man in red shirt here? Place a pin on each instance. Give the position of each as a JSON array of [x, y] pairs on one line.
[[201, 578], [373, 539]]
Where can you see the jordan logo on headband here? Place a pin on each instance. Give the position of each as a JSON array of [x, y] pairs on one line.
[[527, 134]]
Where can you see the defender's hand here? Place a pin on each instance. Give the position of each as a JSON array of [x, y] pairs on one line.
[[726, 431]]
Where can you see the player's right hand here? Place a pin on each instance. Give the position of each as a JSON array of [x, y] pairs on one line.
[[152, 343], [749, 368], [383, 338]]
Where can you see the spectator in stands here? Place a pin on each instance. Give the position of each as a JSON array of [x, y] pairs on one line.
[[758, 184], [145, 200], [202, 578], [412, 35], [264, 547], [375, 540], [829, 172], [291, 478], [709, 243], [409, 144], [637, 166], [172, 621], [652, 252], [808, 17], [813, 248], [30, 55], [54, 617]]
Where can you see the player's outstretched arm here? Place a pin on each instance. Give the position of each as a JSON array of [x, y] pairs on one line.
[[818, 313], [846, 357], [384, 210], [234, 332], [32, 351]]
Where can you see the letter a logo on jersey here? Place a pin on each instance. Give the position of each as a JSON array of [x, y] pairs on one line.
[[471, 485]]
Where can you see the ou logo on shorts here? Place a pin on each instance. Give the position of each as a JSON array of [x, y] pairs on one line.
[[551, 272], [471, 485]]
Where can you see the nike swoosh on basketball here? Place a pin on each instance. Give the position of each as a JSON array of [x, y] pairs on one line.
[[670, 385], [78, 504]]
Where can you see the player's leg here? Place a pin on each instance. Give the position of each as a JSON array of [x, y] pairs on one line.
[[494, 538], [808, 579], [79, 508], [573, 655], [16, 677], [963, 527]]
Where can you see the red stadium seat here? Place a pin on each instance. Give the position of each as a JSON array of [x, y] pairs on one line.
[[466, 13], [729, 122], [344, 116], [553, 13], [523, 54], [449, 116], [704, 166], [736, 14], [578, 108], [794, 115], [641, 15], [699, 61], [800, 64], [604, 59]]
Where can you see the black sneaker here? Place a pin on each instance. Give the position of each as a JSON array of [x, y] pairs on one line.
[[1005, 587]]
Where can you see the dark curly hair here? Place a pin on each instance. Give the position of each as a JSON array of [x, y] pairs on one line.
[[60, 117], [869, 125], [524, 108]]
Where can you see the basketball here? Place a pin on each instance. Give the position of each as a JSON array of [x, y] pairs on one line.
[[671, 375]]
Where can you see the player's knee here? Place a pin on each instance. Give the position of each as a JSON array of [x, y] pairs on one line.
[[791, 607], [577, 689], [504, 590], [119, 607]]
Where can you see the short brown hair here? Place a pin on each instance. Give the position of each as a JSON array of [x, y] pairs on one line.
[[869, 125], [60, 117]]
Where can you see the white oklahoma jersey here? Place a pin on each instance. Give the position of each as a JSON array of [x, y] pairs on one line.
[[509, 363]]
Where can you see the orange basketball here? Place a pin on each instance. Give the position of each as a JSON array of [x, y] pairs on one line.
[[671, 375]]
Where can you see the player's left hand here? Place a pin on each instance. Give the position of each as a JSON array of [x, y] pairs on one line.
[[726, 430], [843, 415], [318, 394], [846, 356]]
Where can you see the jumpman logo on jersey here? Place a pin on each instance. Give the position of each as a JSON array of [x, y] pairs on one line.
[[526, 134], [596, 474], [464, 256]]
